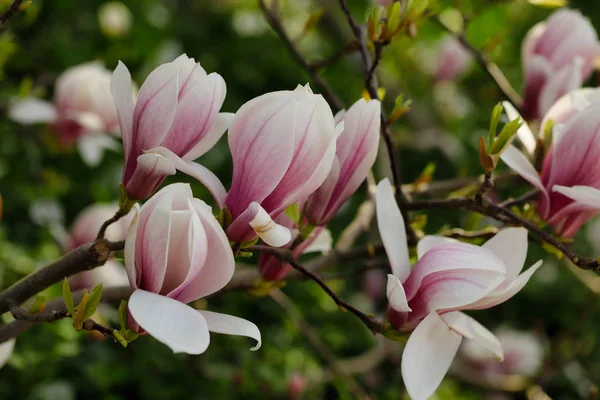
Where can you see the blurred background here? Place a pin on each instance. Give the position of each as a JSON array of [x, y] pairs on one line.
[[45, 185]]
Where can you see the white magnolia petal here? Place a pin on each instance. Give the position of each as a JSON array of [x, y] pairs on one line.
[[521, 165], [91, 148], [268, 230], [32, 111], [169, 321], [586, 195], [427, 356], [129, 251], [231, 325], [468, 327], [391, 229], [396, 295], [510, 245], [429, 242], [6, 350], [524, 133], [218, 128], [320, 244]]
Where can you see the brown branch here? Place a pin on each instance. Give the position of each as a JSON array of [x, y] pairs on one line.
[[520, 200], [83, 258], [489, 67], [20, 314], [372, 87], [485, 187], [275, 23], [286, 256], [118, 215], [12, 10], [504, 215]]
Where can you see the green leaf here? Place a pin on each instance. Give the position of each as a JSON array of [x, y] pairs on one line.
[[93, 301], [78, 319], [68, 297], [125, 203], [496, 115], [38, 304], [249, 243], [224, 217], [549, 3], [393, 21], [293, 212], [119, 338], [506, 136], [123, 314], [130, 335]]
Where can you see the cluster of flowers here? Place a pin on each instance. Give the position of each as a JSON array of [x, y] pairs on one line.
[[289, 150]]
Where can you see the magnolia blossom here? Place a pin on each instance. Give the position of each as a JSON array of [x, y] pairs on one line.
[[283, 146], [452, 59], [558, 56], [356, 150], [272, 268], [82, 112], [175, 120], [449, 276], [523, 355], [176, 252], [570, 179]]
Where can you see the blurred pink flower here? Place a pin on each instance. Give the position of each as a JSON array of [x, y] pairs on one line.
[[449, 276], [558, 56], [83, 111], [452, 60], [176, 252], [175, 120], [356, 150], [283, 145]]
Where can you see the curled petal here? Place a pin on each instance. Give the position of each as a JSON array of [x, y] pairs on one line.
[[524, 133], [121, 89], [560, 83], [149, 173], [32, 111], [230, 325], [396, 296], [586, 195], [219, 126], [510, 245], [427, 356], [429, 242], [129, 251], [268, 230], [171, 322], [469, 328]]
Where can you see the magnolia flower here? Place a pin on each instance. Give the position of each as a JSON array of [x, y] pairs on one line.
[[449, 276], [452, 60], [570, 179], [523, 355], [176, 252], [82, 113], [272, 268], [558, 56], [356, 150], [283, 146], [175, 120]]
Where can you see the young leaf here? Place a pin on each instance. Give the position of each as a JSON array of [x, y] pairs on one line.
[[123, 314], [496, 114], [78, 319], [119, 338], [93, 301], [293, 212], [68, 297], [38, 305], [393, 21], [506, 136], [484, 158]]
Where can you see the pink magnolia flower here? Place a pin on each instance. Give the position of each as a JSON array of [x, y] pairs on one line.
[[570, 179], [558, 57], [452, 60], [356, 150], [175, 120], [283, 146], [449, 276], [272, 269], [176, 252], [82, 112]]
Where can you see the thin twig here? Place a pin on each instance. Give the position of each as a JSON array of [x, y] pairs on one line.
[[12, 10], [485, 187], [118, 215], [489, 67], [21, 314], [286, 256], [275, 23], [520, 200]]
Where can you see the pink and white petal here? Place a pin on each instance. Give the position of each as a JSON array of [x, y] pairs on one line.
[[129, 251], [91, 148], [510, 245], [525, 135], [219, 266], [498, 297], [122, 92], [6, 350], [560, 83], [585, 195], [216, 131], [268, 230], [321, 241], [230, 325], [429, 242], [427, 356], [521, 165], [31, 110], [469, 328], [155, 107], [195, 170], [569, 104], [392, 230], [169, 321], [395, 294], [150, 171]]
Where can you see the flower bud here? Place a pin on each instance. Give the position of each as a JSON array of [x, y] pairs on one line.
[[558, 56], [175, 253], [283, 146], [175, 120], [356, 150]]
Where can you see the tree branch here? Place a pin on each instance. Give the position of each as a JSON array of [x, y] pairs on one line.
[[275, 23], [12, 10]]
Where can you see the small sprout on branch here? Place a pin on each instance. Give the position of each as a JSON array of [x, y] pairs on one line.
[[401, 107], [38, 305], [426, 175], [293, 212], [489, 153], [68, 297]]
